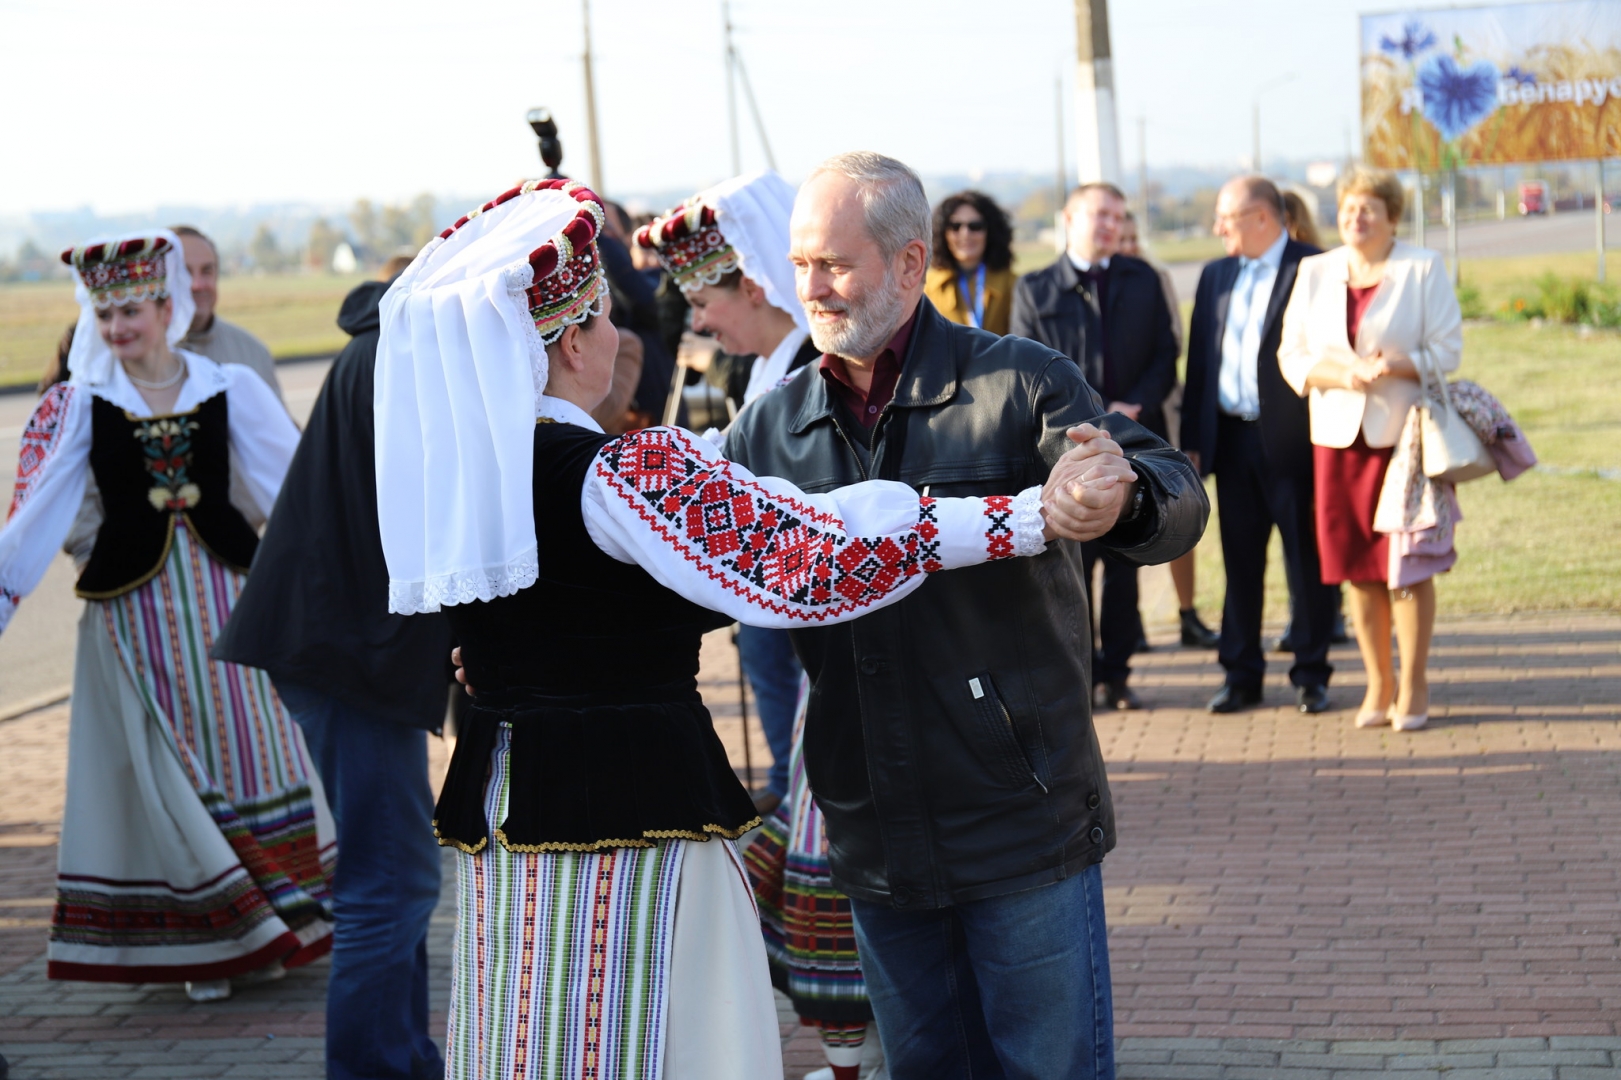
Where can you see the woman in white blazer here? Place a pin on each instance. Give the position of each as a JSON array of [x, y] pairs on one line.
[[1357, 317]]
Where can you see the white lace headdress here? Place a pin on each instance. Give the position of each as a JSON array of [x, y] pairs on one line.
[[461, 366], [739, 224]]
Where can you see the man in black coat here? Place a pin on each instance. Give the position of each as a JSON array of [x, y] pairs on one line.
[[1241, 421], [365, 687], [1108, 313], [948, 738]]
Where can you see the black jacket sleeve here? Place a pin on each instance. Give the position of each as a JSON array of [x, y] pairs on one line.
[[1177, 507], [1023, 321]]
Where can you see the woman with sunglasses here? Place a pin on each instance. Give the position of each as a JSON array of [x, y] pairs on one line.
[[971, 281]]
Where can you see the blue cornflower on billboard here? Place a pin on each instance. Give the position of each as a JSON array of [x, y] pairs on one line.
[[1457, 98]]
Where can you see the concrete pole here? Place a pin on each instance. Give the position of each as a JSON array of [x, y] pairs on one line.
[[1061, 177], [591, 106], [1449, 210], [1598, 216], [1097, 133]]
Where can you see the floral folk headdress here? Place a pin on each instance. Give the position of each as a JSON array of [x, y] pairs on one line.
[[690, 245], [739, 224], [122, 271]]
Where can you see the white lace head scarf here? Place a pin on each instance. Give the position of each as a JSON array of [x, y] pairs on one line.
[[143, 265], [751, 213], [461, 366]]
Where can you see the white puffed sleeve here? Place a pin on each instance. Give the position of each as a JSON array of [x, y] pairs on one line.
[[263, 436], [765, 553], [51, 468]]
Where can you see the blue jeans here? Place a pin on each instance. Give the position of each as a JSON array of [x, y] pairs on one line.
[[376, 777], [1012, 987], [773, 670]]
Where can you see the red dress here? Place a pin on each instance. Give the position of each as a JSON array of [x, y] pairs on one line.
[[1348, 482]]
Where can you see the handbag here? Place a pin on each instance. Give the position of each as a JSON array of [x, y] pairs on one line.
[[1449, 447], [1452, 451]]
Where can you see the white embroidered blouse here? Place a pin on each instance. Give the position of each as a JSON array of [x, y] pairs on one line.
[[55, 458], [762, 551]]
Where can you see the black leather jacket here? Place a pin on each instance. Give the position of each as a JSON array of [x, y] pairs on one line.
[[949, 739]]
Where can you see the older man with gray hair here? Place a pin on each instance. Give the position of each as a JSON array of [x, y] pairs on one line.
[[949, 738]]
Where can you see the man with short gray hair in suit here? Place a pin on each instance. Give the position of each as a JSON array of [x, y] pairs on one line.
[[1241, 421]]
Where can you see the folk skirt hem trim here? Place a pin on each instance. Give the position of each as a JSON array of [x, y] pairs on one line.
[[289, 948]]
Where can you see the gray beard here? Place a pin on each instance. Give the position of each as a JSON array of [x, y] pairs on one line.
[[870, 323]]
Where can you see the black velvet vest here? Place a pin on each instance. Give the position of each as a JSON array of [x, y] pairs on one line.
[[595, 667], [152, 470]]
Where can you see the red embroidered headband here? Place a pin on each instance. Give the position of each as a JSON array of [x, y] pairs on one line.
[[690, 245], [122, 272], [568, 285]]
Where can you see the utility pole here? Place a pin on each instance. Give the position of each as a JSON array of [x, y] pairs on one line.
[[591, 105], [731, 86], [1255, 129], [1061, 177], [1142, 176], [1097, 147], [1598, 216]]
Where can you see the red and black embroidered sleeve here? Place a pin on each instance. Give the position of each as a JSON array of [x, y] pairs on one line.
[[39, 442]]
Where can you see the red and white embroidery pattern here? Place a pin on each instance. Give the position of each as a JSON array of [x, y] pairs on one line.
[[784, 556], [39, 441]]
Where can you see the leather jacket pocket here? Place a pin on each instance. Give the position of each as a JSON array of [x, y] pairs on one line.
[[995, 726]]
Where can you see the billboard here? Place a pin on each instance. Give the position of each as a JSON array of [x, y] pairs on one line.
[[1453, 87]]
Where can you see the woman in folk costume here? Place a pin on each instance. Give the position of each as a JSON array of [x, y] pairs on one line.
[[606, 927], [727, 250], [196, 844]]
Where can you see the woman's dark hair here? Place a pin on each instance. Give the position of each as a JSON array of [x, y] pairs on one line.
[[57, 370], [998, 233]]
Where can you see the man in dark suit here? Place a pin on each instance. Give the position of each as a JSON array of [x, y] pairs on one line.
[[1241, 421], [1107, 312]]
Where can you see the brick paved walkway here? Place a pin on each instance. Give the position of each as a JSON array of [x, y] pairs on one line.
[[1291, 897]]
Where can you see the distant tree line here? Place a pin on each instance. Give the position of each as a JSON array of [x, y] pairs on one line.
[[372, 231]]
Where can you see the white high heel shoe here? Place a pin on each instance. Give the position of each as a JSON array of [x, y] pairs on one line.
[[1366, 718], [1410, 723]]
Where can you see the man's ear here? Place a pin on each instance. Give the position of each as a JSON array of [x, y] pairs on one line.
[[911, 264]]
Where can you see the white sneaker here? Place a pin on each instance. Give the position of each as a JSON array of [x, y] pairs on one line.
[[209, 990]]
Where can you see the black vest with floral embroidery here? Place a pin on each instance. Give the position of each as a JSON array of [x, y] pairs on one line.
[[153, 471]]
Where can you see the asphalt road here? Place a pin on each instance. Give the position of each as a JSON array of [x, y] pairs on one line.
[[1572, 231], [36, 651]]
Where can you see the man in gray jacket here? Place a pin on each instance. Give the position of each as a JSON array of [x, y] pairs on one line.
[[210, 335], [949, 738]]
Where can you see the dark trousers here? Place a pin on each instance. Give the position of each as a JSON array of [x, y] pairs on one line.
[[774, 672], [1012, 987], [375, 773], [1119, 624], [1253, 498]]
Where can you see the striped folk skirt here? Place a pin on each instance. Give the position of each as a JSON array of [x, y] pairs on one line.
[[809, 931], [625, 964], [196, 841]]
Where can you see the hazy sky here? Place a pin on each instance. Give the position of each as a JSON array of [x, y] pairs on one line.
[[122, 106]]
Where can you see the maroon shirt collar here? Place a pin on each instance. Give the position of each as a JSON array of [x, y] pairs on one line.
[[886, 373]]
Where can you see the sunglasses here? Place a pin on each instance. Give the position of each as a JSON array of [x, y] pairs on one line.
[[971, 226]]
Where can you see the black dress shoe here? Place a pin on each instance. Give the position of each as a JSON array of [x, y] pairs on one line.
[[1231, 699], [1196, 634], [1311, 699], [1110, 695]]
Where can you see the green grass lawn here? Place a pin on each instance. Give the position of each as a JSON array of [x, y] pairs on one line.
[[1548, 540], [294, 314]]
